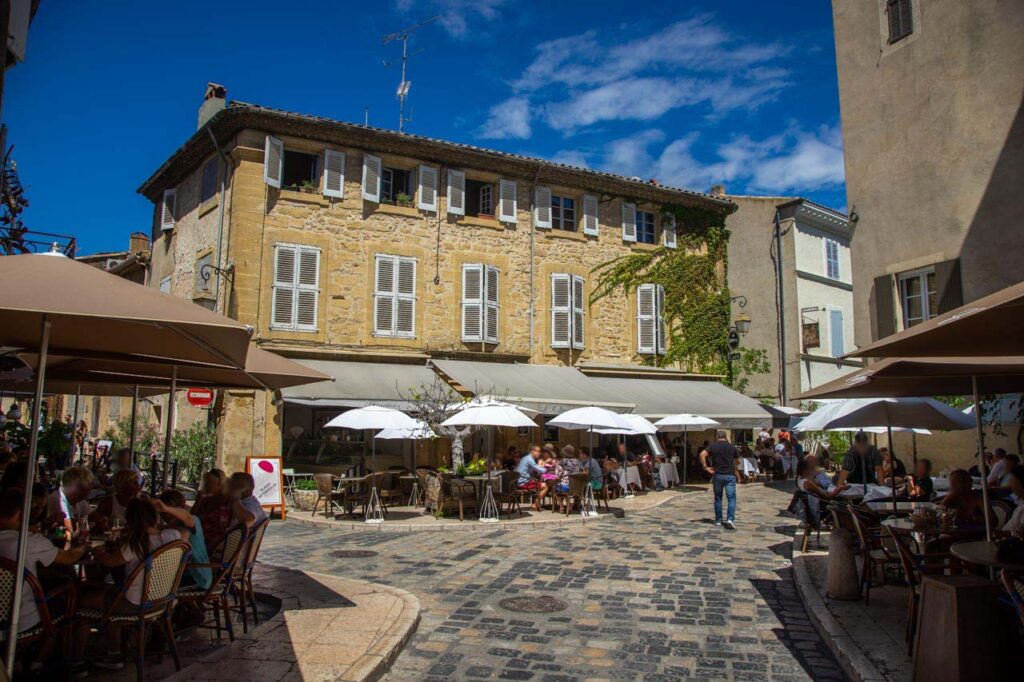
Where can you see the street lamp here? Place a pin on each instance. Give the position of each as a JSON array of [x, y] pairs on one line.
[[742, 323]]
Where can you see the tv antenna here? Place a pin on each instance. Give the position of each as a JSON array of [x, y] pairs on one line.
[[402, 92]]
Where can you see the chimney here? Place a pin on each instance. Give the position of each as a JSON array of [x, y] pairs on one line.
[[138, 243], [718, 190], [213, 101]]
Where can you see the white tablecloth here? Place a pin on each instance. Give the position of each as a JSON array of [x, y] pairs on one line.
[[748, 465], [669, 474], [788, 463], [632, 476], [874, 492]]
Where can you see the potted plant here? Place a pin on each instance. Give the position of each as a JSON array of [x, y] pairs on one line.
[[305, 494], [309, 187], [403, 199]]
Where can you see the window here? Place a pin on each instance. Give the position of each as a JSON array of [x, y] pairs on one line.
[[394, 304], [566, 311], [479, 303], [204, 280], [831, 259], [208, 185], [645, 227], [837, 345], [479, 198], [115, 409], [901, 23], [395, 185], [918, 296], [650, 319], [296, 287], [165, 285], [563, 213], [300, 170]]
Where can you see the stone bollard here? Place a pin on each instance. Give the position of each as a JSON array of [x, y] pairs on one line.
[[843, 581]]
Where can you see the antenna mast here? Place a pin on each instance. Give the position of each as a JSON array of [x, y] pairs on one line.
[[403, 87]]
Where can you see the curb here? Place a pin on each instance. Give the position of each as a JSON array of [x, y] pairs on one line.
[[852, 659]]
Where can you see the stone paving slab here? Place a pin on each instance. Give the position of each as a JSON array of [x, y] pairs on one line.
[[659, 595], [328, 628]]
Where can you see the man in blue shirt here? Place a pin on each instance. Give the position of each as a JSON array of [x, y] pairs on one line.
[[526, 468], [593, 469]]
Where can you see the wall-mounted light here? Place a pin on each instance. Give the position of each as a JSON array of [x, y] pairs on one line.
[[742, 322]]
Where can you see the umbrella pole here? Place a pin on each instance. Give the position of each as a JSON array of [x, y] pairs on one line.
[[169, 431], [913, 446], [26, 507], [135, 412], [892, 469], [981, 456], [74, 427], [686, 451]]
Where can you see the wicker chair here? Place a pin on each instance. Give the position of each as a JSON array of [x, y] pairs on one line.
[[914, 566], [1002, 510], [50, 624], [160, 574], [506, 495], [457, 494], [578, 484], [387, 488], [242, 585], [356, 494], [228, 555], [875, 553], [325, 492]]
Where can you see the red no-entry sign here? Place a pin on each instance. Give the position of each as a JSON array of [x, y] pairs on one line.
[[199, 397]]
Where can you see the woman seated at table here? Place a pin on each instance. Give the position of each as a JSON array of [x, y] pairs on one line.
[[213, 507], [1015, 524], [171, 504], [919, 487], [110, 511], [567, 466], [890, 466], [806, 474], [748, 463], [962, 500]]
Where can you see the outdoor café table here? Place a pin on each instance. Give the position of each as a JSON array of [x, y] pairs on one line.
[[906, 507], [983, 554], [632, 477], [669, 474], [480, 481], [872, 492]]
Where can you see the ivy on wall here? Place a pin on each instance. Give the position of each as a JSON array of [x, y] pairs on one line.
[[697, 311]]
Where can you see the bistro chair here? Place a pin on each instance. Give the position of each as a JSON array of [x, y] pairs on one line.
[[325, 492], [875, 554], [914, 567], [811, 520], [1002, 510], [55, 625], [578, 484], [160, 574], [245, 597], [505, 494], [387, 490], [289, 483], [356, 493], [602, 495], [456, 493], [223, 567]]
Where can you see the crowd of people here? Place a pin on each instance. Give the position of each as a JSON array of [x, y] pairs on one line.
[[88, 531]]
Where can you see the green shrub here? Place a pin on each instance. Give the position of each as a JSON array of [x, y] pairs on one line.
[[195, 451], [305, 484]]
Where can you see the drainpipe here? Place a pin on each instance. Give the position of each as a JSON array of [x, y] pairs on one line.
[[781, 309], [533, 232], [220, 219]]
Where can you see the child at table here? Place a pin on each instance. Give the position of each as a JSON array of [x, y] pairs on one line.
[[550, 464]]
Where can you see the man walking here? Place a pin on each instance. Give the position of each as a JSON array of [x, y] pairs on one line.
[[724, 460]]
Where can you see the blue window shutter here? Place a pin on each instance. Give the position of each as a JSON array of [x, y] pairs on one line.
[[835, 327]]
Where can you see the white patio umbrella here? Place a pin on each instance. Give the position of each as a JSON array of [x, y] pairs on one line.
[[924, 413], [590, 418], [421, 432], [373, 418], [484, 401], [1006, 410], [640, 426], [683, 422]]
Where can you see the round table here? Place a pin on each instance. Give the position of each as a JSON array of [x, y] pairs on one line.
[[669, 474], [983, 554], [905, 507]]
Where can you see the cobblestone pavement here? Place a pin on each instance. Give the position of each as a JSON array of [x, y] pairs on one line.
[[659, 595]]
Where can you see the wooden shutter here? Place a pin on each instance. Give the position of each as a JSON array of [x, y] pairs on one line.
[[491, 305], [590, 219], [885, 313], [167, 209], [668, 230], [334, 174], [628, 222], [405, 308], [837, 345], [472, 303], [283, 314], [307, 292], [456, 192], [646, 322], [542, 207], [384, 297], [577, 312], [561, 310], [273, 161], [371, 178], [948, 286], [906, 25], [427, 200], [507, 210], [662, 326]]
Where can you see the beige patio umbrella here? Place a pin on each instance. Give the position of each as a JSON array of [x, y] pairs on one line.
[[53, 304]]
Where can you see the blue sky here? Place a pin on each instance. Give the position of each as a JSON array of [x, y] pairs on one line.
[[738, 92]]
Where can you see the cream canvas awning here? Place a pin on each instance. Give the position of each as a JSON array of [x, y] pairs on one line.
[[358, 384], [549, 389]]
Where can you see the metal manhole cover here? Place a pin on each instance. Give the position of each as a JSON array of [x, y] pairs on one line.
[[533, 604], [353, 553]]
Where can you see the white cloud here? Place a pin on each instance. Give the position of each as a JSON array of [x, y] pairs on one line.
[[571, 157], [641, 99], [455, 14], [508, 119]]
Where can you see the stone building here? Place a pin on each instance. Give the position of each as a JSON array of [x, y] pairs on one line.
[[817, 290], [369, 254]]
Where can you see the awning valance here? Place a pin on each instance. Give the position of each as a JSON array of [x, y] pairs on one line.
[[549, 389], [358, 384]]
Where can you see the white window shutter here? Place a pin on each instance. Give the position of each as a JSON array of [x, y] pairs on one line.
[[590, 221], [472, 303], [659, 311], [307, 291], [273, 161], [168, 208], [371, 178], [405, 309], [507, 210], [646, 323], [282, 315], [668, 230], [384, 297], [334, 174], [491, 305], [628, 222], [542, 207], [561, 310], [456, 192], [427, 200], [577, 313]]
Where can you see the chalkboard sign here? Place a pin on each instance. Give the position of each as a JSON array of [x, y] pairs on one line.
[[269, 481]]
